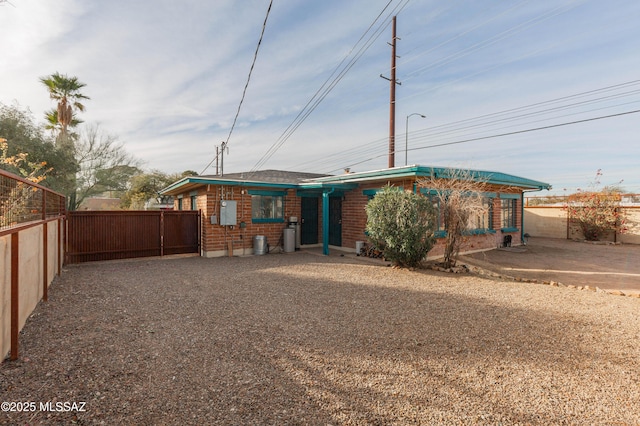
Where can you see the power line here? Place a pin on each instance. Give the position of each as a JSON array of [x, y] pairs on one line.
[[244, 91], [493, 119], [327, 87], [535, 129], [532, 114]]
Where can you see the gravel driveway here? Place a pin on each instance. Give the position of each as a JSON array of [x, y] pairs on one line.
[[306, 339]]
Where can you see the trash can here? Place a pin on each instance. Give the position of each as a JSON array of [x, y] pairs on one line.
[[259, 245], [359, 245], [289, 240], [294, 224]]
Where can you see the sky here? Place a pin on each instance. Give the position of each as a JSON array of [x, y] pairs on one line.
[[499, 82]]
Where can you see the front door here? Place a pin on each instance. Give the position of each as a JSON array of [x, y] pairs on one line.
[[309, 220], [335, 221]]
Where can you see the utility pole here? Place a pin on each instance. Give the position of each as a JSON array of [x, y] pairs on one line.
[[222, 148], [392, 100], [217, 154]]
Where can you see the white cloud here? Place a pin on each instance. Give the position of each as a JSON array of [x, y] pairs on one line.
[[167, 77]]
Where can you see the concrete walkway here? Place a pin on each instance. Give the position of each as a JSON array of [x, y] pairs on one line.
[[607, 266]]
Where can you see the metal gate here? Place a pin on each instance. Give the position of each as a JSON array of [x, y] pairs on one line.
[[109, 235]]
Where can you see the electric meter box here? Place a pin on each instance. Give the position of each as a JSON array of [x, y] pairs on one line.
[[228, 212]]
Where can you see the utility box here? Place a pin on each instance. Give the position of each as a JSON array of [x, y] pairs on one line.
[[228, 212]]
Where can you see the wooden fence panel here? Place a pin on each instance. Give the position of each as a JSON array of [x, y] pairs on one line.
[[181, 232], [109, 235]]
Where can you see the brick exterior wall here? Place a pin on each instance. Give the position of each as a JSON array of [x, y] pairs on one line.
[[217, 239], [354, 220]]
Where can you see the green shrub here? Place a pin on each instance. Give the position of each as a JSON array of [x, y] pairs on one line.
[[401, 224]]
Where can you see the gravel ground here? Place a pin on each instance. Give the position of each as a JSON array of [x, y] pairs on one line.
[[307, 339]]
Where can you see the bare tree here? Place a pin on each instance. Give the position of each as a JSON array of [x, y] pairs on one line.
[[459, 194], [104, 164]]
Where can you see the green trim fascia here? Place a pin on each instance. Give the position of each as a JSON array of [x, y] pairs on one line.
[[443, 234], [371, 192], [375, 174], [496, 178], [279, 220], [321, 186], [509, 229], [426, 191], [350, 181], [510, 196], [308, 194], [267, 193], [221, 181], [479, 231]]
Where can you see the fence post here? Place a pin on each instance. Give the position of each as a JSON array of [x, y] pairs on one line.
[[161, 232], [15, 308], [60, 248], [45, 247], [45, 262]]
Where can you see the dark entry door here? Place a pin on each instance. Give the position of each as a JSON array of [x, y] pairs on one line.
[[309, 224], [335, 221]]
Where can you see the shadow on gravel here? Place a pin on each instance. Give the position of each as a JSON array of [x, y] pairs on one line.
[[295, 339]]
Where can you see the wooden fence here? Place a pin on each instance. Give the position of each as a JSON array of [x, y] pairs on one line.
[[123, 234], [31, 246]]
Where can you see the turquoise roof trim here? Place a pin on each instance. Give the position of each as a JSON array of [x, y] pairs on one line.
[[496, 178], [350, 181], [189, 182]]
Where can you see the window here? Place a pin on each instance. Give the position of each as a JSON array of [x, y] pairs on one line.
[[440, 228], [509, 213], [194, 204], [267, 206], [432, 195], [484, 220], [477, 222]]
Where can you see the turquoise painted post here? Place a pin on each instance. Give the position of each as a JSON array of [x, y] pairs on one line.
[[325, 221]]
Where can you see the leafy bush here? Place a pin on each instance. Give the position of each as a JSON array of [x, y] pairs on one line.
[[401, 224]]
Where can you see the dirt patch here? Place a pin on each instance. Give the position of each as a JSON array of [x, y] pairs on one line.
[[577, 263]]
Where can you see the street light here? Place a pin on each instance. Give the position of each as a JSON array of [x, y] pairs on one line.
[[406, 135]]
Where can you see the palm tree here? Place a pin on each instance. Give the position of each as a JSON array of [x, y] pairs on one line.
[[66, 92], [56, 127]]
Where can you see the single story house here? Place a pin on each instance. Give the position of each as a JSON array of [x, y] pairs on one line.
[[330, 210]]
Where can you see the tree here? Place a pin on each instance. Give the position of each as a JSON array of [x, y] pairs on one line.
[[16, 196], [24, 136], [104, 165], [20, 164], [459, 193], [146, 186], [401, 224], [66, 91], [597, 211], [56, 127]]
